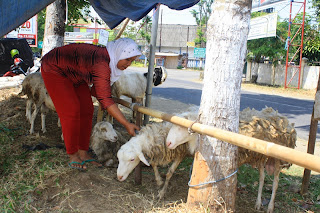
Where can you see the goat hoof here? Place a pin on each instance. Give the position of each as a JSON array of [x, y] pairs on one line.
[[160, 195], [159, 183], [109, 163], [258, 206]]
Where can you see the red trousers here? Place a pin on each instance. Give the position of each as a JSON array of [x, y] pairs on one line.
[[74, 107]]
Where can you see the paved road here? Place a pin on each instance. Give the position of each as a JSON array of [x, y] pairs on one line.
[[182, 86]]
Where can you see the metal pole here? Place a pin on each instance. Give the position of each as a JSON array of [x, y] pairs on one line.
[[288, 45], [155, 18], [301, 44]]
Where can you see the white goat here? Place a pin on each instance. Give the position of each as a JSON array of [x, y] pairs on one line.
[[150, 143], [134, 84], [266, 125], [37, 95], [105, 142]]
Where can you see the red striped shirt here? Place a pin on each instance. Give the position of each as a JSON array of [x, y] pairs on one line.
[[84, 63]]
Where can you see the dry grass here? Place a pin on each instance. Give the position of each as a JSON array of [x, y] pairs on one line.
[[40, 181], [289, 92]]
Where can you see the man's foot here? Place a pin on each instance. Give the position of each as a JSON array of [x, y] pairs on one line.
[[86, 158], [94, 162], [76, 163]]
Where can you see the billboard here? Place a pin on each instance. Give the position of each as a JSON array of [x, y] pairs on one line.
[[79, 37], [263, 26], [258, 5], [28, 30]]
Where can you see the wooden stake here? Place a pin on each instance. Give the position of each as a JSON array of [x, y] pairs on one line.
[[138, 169], [311, 146]]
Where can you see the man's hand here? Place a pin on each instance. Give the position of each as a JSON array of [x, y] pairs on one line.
[[131, 128]]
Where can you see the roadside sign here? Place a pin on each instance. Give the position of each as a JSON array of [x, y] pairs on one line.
[[78, 37], [40, 44], [28, 30], [263, 26], [191, 44], [199, 52], [103, 37]]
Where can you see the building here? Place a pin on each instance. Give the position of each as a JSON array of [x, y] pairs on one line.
[[174, 44]]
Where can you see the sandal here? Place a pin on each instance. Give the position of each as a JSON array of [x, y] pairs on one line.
[[92, 160], [75, 167]]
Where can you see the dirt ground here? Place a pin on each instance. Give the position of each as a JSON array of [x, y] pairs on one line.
[[97, 190]]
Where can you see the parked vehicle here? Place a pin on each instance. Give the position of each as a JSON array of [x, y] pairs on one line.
[[13, 66]]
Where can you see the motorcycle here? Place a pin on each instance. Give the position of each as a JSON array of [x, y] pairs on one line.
[[16, 68]]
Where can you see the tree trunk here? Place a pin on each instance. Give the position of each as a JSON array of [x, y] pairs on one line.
[[227, 34], [55, 26]]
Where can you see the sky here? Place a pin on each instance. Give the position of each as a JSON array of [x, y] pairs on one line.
[[184, 17], [170, 16]]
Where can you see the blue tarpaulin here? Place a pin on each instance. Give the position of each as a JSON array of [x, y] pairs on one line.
[[114, 12], [15, 12]]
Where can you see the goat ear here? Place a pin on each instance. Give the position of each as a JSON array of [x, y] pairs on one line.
[[143, 159]]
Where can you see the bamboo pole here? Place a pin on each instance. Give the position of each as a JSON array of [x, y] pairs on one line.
[[267, 148], [126, 21]]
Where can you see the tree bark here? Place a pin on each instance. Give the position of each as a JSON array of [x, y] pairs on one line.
[[227, 34], [55, 26]]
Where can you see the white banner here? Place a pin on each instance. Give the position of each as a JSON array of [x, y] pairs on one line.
[[103, 37], [263, 26], [29, 31]]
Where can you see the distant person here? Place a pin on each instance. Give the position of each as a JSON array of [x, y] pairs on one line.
[[67, 73], [18, 67]]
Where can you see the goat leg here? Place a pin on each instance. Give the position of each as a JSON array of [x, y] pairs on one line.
[[29, 109], [33, 117], [44, 111], [261, 183], [169, 174], [59, 123], [157, 174], [274, 185]]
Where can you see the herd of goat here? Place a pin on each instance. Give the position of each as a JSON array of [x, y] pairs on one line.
[[163, 143]]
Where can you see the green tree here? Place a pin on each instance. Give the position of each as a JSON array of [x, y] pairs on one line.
[[316, 6], [311, 45], [77, 9], [311, 41], [274, 48], [202, 16]]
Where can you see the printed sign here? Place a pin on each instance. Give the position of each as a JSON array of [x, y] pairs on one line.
[[28, 30], [191, 44], [199, 52], [103, 37], [78, 37], [263, 26]]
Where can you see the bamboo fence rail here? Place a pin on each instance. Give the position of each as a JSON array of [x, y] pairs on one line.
[[303, 159]]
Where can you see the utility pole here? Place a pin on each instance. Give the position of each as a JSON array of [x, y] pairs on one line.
[[187, 56], [160, 32]]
